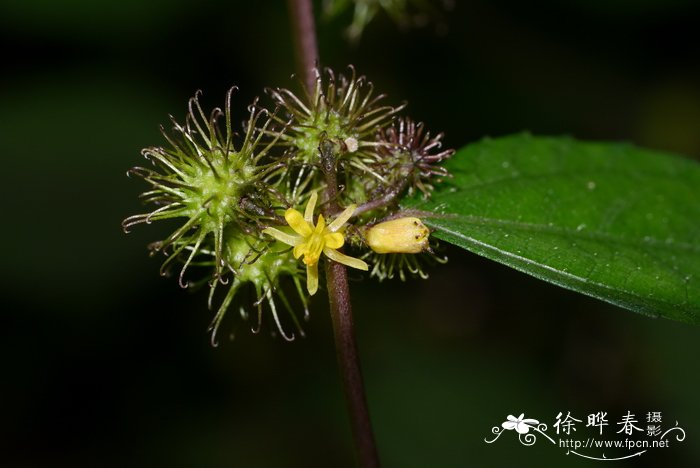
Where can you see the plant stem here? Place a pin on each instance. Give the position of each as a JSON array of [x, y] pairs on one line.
[[384, 200], [349, 363], [304, 32], [304, 36], [344, 329]]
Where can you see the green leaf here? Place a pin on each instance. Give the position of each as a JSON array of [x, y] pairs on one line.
[[608, 220]]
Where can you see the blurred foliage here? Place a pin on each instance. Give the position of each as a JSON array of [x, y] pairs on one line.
[[106, 364]]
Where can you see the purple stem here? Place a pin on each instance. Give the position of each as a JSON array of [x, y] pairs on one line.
[[304, 33], [304, 36]]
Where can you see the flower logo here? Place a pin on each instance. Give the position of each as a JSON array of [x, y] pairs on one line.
[[521, 425]]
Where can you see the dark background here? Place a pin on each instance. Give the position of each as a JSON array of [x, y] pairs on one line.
[[106, 364]]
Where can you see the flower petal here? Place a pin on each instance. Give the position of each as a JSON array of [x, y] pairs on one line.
[[509, 425], [312, 278], [342, 218], [299, 249], [283, 236], [310, 206], [320, 224], [522, 428], [345, 260], [334, 240], [297, 222]]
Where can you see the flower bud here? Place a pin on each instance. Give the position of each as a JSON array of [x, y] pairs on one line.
[[402, 235]]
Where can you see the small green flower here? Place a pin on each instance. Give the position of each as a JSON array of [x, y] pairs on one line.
[[341, 117], [253, 264], [224, 192], [203, 177]]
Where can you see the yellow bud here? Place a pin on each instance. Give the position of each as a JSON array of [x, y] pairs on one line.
[[403, 235]]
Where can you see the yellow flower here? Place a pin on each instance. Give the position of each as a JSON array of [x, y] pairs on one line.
[[404, 235], [312, 239]]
